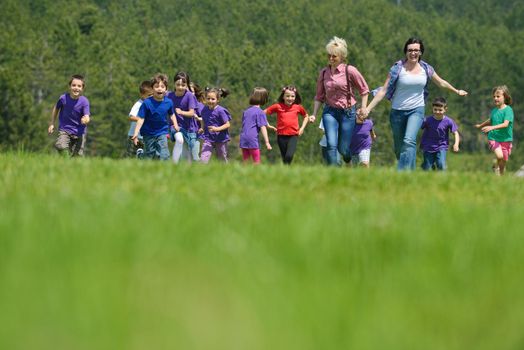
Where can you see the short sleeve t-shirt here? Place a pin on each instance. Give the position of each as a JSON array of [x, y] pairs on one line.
[[287, 117], [133, 113], [435, 136], [252, 120], [185, 102], [156, 115], [361, 138], [409, 93], [498, 116], [71, 112], [216, 117]]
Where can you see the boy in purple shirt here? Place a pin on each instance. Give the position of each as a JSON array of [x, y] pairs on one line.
[[73, 115], [254, 120], [360, 147], [435, 138], [153, 120]]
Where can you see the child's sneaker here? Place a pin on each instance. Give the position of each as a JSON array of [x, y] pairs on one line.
[[139, 153]]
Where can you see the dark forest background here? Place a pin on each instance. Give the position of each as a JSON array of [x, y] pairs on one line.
[[240, 44]]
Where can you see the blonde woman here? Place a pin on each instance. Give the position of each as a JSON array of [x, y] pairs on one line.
[[336, 86]]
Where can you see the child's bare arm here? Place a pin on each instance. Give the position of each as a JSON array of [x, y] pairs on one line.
[[483, 124], [457, 141], [503, 125], [304, 124], [224, 126], [51, 127], [175, 122], [138, 126], [263, 130]]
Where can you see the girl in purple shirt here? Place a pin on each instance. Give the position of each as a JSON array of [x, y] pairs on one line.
[[254, 121], [215, 132], [185, 104]]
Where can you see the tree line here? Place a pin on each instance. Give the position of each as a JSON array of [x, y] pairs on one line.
[[240, 44]]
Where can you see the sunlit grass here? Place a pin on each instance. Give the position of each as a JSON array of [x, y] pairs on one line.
[[104, 254]]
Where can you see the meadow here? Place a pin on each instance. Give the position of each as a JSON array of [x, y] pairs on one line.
[[120, 254]]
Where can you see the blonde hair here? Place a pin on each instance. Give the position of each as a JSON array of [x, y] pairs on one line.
[[505, 91], [337, 46]]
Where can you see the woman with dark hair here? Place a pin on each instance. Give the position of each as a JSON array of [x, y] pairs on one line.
[[407, 88]]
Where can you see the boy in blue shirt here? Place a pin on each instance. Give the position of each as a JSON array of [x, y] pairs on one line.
[[153, 120]]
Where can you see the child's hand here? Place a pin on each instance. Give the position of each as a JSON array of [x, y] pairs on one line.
[[486, 129], [300, 132], [85, 120], [200, 131], [134, 138], [359, 120], [50, 129], [177, 128], [455, 148], [268, 146], [178, 111], [271, 127], [212, 128], [198, 118], [477, 126]]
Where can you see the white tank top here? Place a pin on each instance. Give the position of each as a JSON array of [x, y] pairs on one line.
[[409, 90]]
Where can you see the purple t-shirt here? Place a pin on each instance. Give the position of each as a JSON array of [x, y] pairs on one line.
[[156, 115], [199, 107], [361, 138], [216, 117], [252, 119], [185, 102], [71, 112], [436, 133]]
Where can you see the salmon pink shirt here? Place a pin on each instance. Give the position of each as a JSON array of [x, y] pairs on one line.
[[332, 88]]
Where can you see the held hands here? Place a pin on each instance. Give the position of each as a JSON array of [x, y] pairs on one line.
[[312, 118]]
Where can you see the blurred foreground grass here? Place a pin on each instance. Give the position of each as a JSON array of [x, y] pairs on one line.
[[105, 254]]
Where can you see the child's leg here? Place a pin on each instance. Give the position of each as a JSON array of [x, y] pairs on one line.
[[221, 149], [163, 147], [364, 157], [195, 150], [282, 145], [150, 147], [179, 145], [255, 153], [77, 146], [441, 160], [429, 159], [245, 154], [291, 149], [207, 149], [62, 143]]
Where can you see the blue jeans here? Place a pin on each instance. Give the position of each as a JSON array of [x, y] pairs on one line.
[[156, 147], [405, 126], [435, 158], [338, 126]]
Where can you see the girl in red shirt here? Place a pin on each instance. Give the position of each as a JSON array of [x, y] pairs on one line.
[[287, 109]]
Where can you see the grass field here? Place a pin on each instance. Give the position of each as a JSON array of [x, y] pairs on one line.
[[106, 254]]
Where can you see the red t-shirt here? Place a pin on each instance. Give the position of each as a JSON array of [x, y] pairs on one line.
[[287, 117]]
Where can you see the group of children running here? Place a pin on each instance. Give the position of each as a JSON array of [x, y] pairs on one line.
[[193, 118]]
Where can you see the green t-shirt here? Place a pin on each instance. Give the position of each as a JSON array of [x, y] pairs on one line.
[[497, 117]]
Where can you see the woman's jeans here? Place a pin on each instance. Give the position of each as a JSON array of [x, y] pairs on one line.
[[405, 126], [339, 124]]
